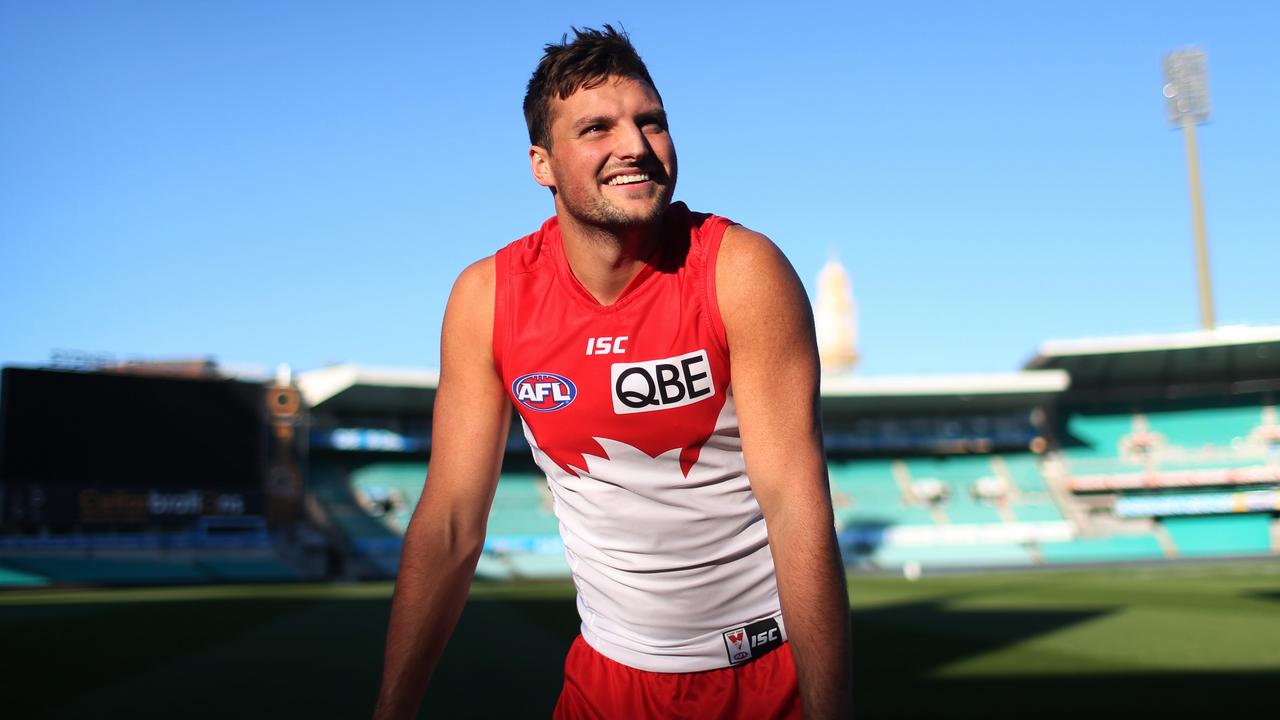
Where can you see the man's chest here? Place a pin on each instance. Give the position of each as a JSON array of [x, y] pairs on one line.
[[651, 375]]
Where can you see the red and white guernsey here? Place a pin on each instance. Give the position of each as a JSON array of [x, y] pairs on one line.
[[630, 414]]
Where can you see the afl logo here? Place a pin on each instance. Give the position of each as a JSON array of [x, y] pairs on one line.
[[543, 392]]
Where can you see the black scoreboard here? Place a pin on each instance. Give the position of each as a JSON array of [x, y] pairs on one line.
[[93, 451]]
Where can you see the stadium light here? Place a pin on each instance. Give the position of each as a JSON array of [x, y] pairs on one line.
[[1186, 104]]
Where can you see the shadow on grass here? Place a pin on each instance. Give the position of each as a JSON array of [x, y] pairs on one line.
[[314, 658], [898, 649], [507, 656], [269, 658]]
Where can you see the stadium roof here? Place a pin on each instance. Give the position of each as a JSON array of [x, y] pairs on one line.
[[1228, 355], [348, 387], [353, 388], [1240, 357], [972, 392]]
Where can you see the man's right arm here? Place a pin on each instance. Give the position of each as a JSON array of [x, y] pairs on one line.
[[446, 534]]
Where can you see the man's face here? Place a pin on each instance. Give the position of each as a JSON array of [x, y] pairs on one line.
[[611, 162]]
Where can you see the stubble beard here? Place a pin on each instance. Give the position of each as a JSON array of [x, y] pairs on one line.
[[600, 212]]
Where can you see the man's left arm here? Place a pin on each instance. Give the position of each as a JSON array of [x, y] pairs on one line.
[[774, 364]]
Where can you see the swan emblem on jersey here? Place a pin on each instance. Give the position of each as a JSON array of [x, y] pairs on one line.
[[543, 391], [736, 643]]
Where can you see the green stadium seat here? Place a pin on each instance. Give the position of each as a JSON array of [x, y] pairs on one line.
[[1208, 464], [1210, 426], [1220, 535], [520, 504], [538, 566], [874, 495], [967, 512], [1036, 512], [521, 507], [492, 568], [964, 555], [1100, 433], [1025, 470], [885, 514], [1116, 548], [10, 577], [109, 571], [960, 473], [1187, 429], [240, 569], [871, 479]]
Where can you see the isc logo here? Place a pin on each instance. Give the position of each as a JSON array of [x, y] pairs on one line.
[[543, 392], [763, 638], [661, 384], [754, 640], [607, 345]]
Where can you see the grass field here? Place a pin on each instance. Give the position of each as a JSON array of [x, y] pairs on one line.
[[1152, 642]]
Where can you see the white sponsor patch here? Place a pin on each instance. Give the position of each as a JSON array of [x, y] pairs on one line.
[[737, 645], [661, 384]]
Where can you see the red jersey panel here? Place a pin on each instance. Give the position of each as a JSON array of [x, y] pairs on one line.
[[629, 411], [558, 347]]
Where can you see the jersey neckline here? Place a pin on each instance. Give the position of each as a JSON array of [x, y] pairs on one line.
[[634, 288]]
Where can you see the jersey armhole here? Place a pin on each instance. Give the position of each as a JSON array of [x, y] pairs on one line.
[[715, 234], [500, 314]]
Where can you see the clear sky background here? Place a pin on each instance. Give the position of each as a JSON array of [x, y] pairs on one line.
[[274, 182]]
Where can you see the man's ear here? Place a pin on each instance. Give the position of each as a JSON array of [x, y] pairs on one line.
[[541, 166]]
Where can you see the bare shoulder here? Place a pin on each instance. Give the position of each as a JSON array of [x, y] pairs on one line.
[[745, 252], [477, 279], [755, 283], [472, 294], [468, 318]]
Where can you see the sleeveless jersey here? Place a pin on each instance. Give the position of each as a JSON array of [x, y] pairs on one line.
[[629, 412]]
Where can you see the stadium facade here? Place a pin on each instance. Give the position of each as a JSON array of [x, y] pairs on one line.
[[152, 473], [1100, 450], [1148, 448]]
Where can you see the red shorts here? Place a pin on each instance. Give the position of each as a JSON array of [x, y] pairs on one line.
[[598, 688]]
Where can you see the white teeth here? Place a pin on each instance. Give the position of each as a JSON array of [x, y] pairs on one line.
[[626, 179]]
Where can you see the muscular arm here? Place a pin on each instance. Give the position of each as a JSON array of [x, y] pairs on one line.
[[446, 534], [775, 385]]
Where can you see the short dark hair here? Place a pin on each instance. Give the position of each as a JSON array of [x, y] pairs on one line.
[[567, 67]]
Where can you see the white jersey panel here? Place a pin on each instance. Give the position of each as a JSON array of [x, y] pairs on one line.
[[665, 562]]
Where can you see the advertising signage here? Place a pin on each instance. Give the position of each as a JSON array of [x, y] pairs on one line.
[[108, 449]]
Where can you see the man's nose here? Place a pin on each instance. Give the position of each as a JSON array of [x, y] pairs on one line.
[[633, 144]]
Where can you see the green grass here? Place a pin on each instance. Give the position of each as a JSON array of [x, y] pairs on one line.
[[1164, 641]]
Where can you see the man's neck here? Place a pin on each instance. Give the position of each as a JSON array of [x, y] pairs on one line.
[[604, 260]]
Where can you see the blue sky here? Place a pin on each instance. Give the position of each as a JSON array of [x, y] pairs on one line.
[[272, 182]]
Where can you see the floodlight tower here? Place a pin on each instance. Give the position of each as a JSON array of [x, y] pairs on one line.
[[1186, 104]]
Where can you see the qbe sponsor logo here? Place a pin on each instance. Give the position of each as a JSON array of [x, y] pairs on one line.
[[754, 640], [661, 384], [543, 391]]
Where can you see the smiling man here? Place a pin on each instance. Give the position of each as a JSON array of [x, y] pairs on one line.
[[663, 365]]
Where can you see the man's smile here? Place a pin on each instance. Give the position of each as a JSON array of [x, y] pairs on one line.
[[628, 179]]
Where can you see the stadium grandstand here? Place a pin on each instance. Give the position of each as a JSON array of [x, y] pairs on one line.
[[1168, 445], [152, 473], [1105, 450]]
